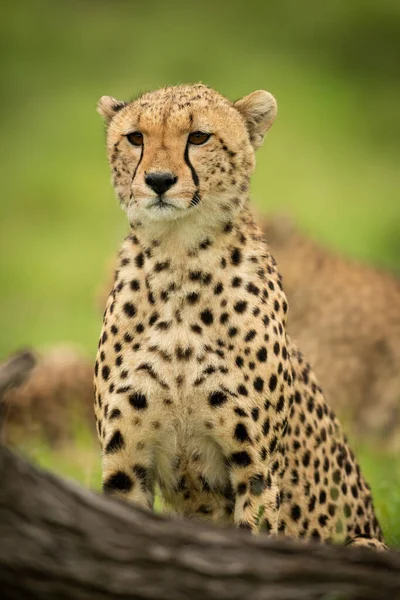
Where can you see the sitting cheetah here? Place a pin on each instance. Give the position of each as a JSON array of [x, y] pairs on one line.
[[198, 387], [346, 317]]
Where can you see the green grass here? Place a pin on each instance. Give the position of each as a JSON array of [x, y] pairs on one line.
[[382, 471], [331, 158]]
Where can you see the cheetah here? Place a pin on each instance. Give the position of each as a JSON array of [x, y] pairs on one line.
[[346, 317], [57, 392], [199, 389]]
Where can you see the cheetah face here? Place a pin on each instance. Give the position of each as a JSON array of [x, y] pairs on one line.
[[184, 150]]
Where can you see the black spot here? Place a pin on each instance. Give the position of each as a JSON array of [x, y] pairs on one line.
[[129, 309], [241, 489], [195, 275], [205, 244], [119, 481], [134, 285], [322, 519], [161, 266], [116, 443], [114, 414], [217, 398], [262, 354], [273, 444], [207, 317], [241, 433], [138, 401], [236, 282], [241, 459], [273, 382], [139, 260], [306, 458], [224, 318], [240, 412], [239, 361], [255, 413], [236, 256], [218, 288], [280, 404], [183, 353], [258, 384], [266, 427], [240, 306], [295, 512], [354, 491], [252, 289], [196, 328], [153, 318], [105, 372], [250, 335], [311, 504]]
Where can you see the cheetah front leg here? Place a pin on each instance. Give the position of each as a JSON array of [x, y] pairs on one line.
[[127, 461], [257, 500], [367, 542], [255, 455]]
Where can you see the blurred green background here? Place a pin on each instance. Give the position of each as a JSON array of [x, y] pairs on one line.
[[331, 158]]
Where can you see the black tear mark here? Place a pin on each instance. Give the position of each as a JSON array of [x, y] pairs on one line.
[[137, 166], [196, 196]]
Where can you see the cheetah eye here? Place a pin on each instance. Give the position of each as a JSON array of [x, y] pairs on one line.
[[198, 137], [135, 138]]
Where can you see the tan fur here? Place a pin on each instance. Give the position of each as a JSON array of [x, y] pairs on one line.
[[58, 391], [198, 386]]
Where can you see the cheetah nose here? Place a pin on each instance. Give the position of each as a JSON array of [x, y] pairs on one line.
[[160, 182]]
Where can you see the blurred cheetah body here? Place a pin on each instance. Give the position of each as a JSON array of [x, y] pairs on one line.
[[346, 317], [198, 387]]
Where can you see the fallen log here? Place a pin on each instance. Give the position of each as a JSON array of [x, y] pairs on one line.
[[60, 541]]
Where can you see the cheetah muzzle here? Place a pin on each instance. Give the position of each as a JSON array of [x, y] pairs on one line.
[[198, 387]]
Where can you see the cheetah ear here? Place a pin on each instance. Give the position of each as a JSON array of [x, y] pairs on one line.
[[108, 106], [259, 111]]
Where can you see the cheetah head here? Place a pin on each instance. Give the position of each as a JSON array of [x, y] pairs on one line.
[[184, 150]]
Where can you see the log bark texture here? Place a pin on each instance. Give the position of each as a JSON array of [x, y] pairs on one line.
[[60, 541], [14, 370]]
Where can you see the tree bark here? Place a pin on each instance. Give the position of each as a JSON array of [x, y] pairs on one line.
[[60, 541], [14, 371]]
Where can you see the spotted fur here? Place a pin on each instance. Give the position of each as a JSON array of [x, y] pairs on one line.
[[198, 386]]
